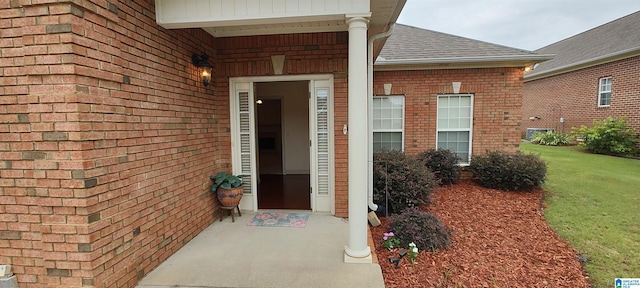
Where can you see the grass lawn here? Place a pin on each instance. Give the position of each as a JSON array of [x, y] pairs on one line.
[[593, 202]]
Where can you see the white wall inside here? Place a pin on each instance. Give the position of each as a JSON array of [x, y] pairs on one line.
[[295, 123]]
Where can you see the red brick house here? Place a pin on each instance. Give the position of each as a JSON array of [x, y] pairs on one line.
[[594, 75], [108, 134]]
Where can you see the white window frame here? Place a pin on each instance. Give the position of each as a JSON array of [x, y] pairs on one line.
[[602, 84], [404, 104], [464, 162]]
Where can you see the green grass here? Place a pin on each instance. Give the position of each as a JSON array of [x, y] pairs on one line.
[[593, 202]]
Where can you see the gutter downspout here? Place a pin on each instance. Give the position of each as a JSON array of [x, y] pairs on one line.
[[370, 61]]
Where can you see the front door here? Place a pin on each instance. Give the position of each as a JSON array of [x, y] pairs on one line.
[[305, 148], [282, 122]]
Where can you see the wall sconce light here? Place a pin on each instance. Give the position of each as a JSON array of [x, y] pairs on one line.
[[259, 101], [202, 62], [530, 67]]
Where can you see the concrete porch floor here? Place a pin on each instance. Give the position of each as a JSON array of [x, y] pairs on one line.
[[230, 254]]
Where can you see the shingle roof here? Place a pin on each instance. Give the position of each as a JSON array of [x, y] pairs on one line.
[[612, 38], [411, 43]]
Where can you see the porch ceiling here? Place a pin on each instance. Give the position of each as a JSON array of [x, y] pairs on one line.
[[204, 14]]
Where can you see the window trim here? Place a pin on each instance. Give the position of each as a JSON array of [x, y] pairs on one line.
[[470, 129], [600, 92], [402, 131]]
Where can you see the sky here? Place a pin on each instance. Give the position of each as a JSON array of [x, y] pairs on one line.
[[524, 24]]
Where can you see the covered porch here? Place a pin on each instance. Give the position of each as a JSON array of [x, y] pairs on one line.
[[232, 254], [367, 23]]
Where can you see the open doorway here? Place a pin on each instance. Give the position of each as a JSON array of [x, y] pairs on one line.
[[282, 132]]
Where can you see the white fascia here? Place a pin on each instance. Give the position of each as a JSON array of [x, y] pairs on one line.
[[461, 62]]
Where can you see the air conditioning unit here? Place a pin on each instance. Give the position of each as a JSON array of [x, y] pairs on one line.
[[531, 131]]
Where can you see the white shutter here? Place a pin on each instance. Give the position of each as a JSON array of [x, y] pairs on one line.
[[244, 122], [322, 145], [322, 141]]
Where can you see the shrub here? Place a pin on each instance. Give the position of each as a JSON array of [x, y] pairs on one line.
[[508, 171], [420, 227], [550, 138], [610, 136], [406, 180], [443, 163]]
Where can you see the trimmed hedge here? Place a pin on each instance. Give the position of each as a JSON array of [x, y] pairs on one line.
[[420, 227], [443, 163], [407, 181], [508, 171]]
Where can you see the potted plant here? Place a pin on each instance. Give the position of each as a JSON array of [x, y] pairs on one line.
[[228, 188]]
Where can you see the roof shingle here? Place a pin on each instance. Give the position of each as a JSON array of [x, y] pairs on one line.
[[616, 36], [411, 43]]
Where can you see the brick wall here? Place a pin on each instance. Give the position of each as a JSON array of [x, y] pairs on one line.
[[107, 139], [496, 108], [574, 96]]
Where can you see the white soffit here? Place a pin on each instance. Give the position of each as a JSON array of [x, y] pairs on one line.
[[229, 18]]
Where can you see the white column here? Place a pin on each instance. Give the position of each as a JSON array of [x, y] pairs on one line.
[[357, 250]]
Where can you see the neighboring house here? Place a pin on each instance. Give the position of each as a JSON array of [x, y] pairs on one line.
[[594, 75], [108, 134]]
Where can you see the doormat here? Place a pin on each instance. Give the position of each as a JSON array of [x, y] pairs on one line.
[[272, 219]]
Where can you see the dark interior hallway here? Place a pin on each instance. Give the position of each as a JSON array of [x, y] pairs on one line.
[[284, 192]]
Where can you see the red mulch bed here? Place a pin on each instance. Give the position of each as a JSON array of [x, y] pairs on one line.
[[499, 239]]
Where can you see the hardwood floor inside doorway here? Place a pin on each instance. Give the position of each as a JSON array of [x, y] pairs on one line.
[[284, 192]]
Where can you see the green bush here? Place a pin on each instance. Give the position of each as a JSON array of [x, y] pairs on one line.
[[551, 138], [443, 163], [508, 171], [420, 227], [408, 182], [610, 136]]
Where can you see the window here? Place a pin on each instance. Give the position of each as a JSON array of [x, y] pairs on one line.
[[388, 123], [455, 120], [604, 92]]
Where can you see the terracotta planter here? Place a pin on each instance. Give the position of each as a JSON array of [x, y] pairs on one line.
[[230, 197]]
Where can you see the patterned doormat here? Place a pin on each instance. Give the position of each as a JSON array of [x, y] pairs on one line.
[[273, 219]]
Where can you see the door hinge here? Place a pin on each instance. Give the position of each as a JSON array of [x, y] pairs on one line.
[[309, 142]]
